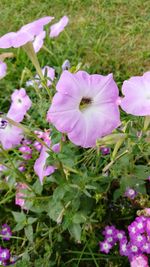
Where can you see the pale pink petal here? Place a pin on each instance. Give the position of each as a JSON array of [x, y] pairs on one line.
[[21, 103], [40, 167], [36, 27], [136, 92], [38, 41], [10, 136], [58, 27], [3, 69]]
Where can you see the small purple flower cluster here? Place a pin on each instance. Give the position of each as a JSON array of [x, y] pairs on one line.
[[139, 243], [6, 232], [4, 252]]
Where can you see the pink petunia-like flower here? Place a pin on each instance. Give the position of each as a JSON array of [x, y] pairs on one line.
[[58, 27], [10, 136], [85, 107], [136, 93], [40, 167], [139, 261], [48, 73], [26, 34], [21, 103], [3, 69], [38, 41], [20, 195]]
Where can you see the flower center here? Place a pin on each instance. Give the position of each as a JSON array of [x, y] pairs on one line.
[[85, 102], [3, 124]]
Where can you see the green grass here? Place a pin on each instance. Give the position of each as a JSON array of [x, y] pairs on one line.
[[105, 35]]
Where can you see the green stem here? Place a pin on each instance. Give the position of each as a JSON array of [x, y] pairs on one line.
[[33, 57], [146, 123]]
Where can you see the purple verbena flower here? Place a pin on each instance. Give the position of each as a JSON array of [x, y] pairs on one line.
[[4, 254], [6, 232], [120, 235], [130, 193], [105, 247], [123, 247], [109, 231]]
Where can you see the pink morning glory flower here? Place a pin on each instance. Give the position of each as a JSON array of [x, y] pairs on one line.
[[21, 103], [139, 261], [48, 73], [58, 27], [85, 107], [26, 34], [3, 69], [10, 136], [40, 167], [38, 41], [136, 93]]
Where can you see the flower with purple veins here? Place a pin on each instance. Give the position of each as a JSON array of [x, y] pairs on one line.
[[27, 33], [6, 232], [3, 69], [58, 27], [85, 107]]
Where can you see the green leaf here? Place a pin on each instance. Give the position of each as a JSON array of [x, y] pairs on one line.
[[79, 218], [31, 220], [54, 209], [75, 231], [19, 216], [38, 187], [29, 232]]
